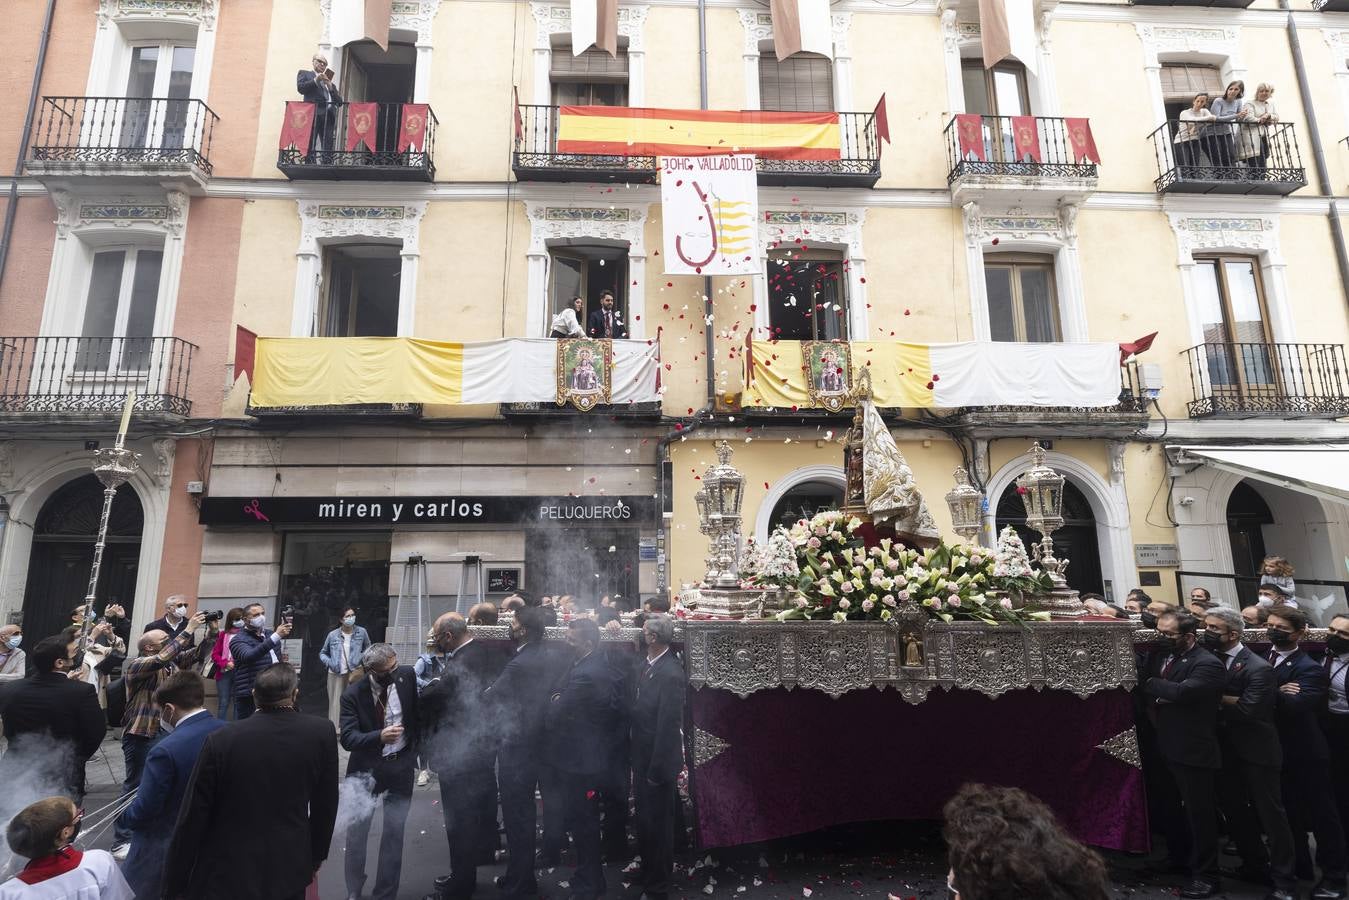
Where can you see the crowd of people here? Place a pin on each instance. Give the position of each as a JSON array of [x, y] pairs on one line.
[[1231, 131]]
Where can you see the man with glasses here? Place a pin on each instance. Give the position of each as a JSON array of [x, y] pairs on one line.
[[1184, 691], [1251, 798], [316, 86]]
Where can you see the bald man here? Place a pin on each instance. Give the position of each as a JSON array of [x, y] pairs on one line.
[[12, 662]]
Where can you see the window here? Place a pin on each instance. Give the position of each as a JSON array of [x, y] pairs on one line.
[[999, 91], [807, 296], [803, 82], [361, 299], [387, 77], [585, 270], [1181, 81], [157, 89], [1022, 301], [592, 79], [1235, 325], [121, 301]]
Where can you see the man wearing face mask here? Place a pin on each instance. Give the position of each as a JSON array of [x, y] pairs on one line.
[[1250, 794], [253, 649], [168, 766], [1185, 689], [1336, 718], [11, 657], [1303, 688], [1164, 810], [381, 724], [174, 619]]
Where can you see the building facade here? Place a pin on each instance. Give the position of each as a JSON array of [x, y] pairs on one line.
[[485, 230]]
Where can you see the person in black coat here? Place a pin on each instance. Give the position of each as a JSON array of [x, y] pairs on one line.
[[260, 808], [624, 657], [380, 721], [1251, 797], [460, 747], [581, 716], [317, 87], [1185, 691], [1303, 688], [174, 619], [606, 322], [657, 754], [46, 707], [519, 698]]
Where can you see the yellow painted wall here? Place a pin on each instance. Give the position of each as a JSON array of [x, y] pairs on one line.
[[1265, 51], [294, 38], [265, 292]]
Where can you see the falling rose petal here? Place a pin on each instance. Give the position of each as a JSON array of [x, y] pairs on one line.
[[765, 485], [679, 426], [906, 312], [995, 242], [929, 385], [669, 284], [936, 378], [863, 279]]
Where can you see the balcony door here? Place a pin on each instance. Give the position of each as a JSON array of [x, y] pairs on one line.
[[586, 271], [996, 93], [158, 86], [1235, 325], [362, 290], [1022, 300], [807, 295], [387, 77], [119, 311]]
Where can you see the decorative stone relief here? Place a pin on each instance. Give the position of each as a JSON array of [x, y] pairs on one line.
[[6, 463], [1198, 234], [1159, 39], [758, 27], [407, 15], [198, 12], [551, 19], [165, 449], [320, 220], [618, 223], [1015, 224], [1116, 451], [166, 212], [838, 227]]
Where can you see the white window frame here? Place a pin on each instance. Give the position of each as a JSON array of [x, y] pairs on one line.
[[124, 24], [551, 222], [554, 20], [1208, 45], [130, 261], [757, 26], [963, 40], [826, 229], [405, 24]]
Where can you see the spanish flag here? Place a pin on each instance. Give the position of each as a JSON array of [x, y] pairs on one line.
[[627, 131]]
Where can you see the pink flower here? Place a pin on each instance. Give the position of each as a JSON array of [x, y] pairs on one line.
[[1006, 602], [813, 543], [868, 605], [845, 603], [847, 587], [953, 600], [825, 565], [903, 596], [976, 560], [888, 600], [892, 565], [875, 551]]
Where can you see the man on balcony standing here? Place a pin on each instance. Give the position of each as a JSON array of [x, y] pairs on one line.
[[317, 87], [606, 322]]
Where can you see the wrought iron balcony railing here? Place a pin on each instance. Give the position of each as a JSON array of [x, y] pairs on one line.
[[1128, 412], [1330, 5], [121, 135], [90, 376], [535, 157], [1227, 158], [1281, 380], [1048, 155], [327, 156]]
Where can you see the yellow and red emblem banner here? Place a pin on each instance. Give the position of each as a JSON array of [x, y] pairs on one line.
[[361, 119], [624, 131], [412, 130], [298, 126]]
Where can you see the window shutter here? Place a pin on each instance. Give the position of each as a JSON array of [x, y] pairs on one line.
[[803, 82], [594, 66], [1181, 81]]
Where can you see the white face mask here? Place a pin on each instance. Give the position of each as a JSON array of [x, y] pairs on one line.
[[349, 621], [180, 611], [258, 621], [238, 623], [14, 642]]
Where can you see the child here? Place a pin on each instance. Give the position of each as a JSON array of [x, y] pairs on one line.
[[1276, 570], [45, 833]]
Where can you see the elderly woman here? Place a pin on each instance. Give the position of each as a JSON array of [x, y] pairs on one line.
[[1188, 134], [11, 657], [1228, 113], [1254, 130]]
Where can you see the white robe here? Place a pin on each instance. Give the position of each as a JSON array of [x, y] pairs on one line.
[[95, 878]]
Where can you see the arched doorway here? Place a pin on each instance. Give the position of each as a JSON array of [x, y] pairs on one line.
[[63, 552], [1247, 516], [804, 500], [1075, 541]]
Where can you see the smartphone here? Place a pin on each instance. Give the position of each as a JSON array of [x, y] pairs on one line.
[[329, 73]]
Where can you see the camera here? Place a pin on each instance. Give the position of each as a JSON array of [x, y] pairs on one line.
[[287, 614], [215, 616]]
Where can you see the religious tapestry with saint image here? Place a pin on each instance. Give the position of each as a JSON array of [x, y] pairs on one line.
[[828, 370], [584, 369]]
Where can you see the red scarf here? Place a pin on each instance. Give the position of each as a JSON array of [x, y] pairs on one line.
[[44, 867]]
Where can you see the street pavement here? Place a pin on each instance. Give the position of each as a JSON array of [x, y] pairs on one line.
[[879, 861]]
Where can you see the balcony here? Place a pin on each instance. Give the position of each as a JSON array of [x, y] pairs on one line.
[[323, 161], [131, 138], [1268, 380], [857, 162], [1228, 159], [54, 378], [1123, 417], [999, 161]]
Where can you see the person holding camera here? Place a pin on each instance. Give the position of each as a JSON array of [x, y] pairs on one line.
[[253, 649], [159, 656]]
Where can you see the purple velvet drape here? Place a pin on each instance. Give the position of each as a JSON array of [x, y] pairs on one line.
[[797, 761]]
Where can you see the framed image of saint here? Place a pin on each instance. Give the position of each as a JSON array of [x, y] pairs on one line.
[[828, 371], [584, 367]]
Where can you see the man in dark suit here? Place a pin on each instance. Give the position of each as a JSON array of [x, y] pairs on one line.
[[623, 657], [174, 619], [48, 707], [381, 719], [460, 745], [168, 766], [1251, 797], [606, 322], [1185, 691], [657, 754], [1303, 687], [316, 86], [259, 811], [1336, 719], [519, 698], [581, 716]]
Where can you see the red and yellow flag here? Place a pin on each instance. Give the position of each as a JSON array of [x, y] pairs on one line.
[[626, 131]]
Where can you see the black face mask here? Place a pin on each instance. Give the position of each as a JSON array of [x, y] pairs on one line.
[[1148, 619], [384, 679], [76, 832], [1172, 645], [1278, 636], [1212, 641], [1336, 644]]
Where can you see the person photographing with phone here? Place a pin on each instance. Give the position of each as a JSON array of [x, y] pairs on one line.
[[253, 649], [316, 85]]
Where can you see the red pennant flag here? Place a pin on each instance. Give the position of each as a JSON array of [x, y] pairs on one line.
[[245, 352], [298, 125], [970, 130], [519, 119], [1084, 144], [1025, 138], [882, 122], [361, 119], [412, 131], [1133, 348]]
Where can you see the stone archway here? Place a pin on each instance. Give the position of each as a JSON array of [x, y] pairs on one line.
[[817, 480], [1075, 541]]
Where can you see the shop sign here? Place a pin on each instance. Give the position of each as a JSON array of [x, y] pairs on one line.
[[1151, 555], [522, 510], [503, 581]]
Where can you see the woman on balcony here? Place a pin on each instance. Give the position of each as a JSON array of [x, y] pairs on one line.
[[567, 324], [1228, 114], [1188, 134], [1253, 142]]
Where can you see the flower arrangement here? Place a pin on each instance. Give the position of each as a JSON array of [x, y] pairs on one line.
[[835, 576]]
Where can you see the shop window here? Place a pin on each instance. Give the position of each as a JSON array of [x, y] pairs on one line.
[[586, 562], [808, 295], [362, 286], [387, 77], [592, 79], [121, 301], [803, 82], [1022, 300], [586, 271]]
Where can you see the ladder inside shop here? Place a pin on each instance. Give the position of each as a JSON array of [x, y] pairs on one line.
[[411, 614]]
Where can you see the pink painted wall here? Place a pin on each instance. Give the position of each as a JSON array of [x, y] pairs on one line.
[[180, 563]]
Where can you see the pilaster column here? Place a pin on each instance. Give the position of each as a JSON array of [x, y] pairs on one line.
[[536, 295], [407, 295], [636, 296], [421, 85], [307, 272]]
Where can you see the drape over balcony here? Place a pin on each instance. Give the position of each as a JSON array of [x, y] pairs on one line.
[[293, 372], [802, 374], [632, 131]]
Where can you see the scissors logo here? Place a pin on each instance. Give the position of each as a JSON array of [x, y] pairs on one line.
[[252, 509]]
